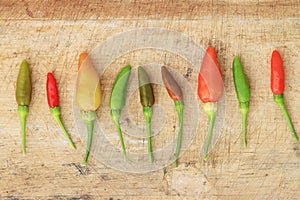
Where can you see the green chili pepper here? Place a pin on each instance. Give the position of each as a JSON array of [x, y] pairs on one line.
[[117, 101], [176, 95], [243, 93], [23, 98], [147, 100]]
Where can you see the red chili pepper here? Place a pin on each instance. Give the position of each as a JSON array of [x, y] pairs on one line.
[[210, 83], [210, 89], [53, 102], [277, 87], [52, 92], [277, 73]]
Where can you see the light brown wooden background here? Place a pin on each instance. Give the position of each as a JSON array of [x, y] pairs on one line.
[[51, 36]]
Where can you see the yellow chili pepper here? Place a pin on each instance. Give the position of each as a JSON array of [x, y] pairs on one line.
[[88, 96]]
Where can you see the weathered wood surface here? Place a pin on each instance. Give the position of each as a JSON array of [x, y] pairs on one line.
[[52, 34]]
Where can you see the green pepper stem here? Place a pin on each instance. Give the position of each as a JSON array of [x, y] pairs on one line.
[[280, 102], [212, 118], [148, 114], [55, 112], [179, 109], [244, 108], [88, 118], [115, 115], [210, 109], [23, 112]]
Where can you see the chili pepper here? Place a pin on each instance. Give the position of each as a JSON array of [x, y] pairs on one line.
[[23, 98], [117, 101], [277, 87], [53, 103], [243, 93], [175, 93], [147, 100], [210, 89], [88, 96]]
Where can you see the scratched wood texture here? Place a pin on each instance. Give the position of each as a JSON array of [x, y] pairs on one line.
[[51, 35]]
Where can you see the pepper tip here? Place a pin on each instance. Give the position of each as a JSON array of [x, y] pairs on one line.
[[176, 163], [276, 55], [295, 138], [275, 52], [49, 74], [210, 48], [73, 147], [82, 57], [24, 61], [236, 58]]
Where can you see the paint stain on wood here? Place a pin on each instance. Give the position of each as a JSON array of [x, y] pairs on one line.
[[81, 169], [83, 197], [29, 12], [188, 73]]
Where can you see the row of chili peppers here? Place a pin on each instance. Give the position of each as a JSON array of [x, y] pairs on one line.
[[88, 96]]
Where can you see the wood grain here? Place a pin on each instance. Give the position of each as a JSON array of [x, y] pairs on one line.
[[143, 9], [51, 36]]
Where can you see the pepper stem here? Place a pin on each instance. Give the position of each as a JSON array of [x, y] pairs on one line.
[[179, 109], [88, 118], [55, 112], [115, 115], [148, 114], [210, 109], [23, 112], [280, 102], [244, 108]]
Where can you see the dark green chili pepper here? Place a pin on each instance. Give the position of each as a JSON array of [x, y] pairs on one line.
[[145, 89], [147, 100], [117, 101], [23, 98], [243, 93], [175, 93]]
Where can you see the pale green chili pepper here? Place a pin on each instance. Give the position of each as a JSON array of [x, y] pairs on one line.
[[147, 100], [23, 98], [117, 101]]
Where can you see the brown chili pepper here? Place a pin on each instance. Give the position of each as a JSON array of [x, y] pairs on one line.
[[175, 93]]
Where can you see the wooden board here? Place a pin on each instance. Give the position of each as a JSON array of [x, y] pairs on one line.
[[51, 36]]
